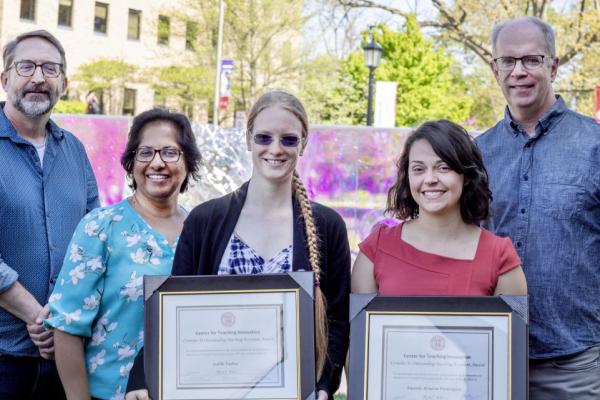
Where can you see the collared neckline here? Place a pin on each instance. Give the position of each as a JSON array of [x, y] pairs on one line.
[[546, 122], [8, 130]]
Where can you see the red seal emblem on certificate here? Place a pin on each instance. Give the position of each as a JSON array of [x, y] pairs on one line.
[[227, 319], [437, 343]]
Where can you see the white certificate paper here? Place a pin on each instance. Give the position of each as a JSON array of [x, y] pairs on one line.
[[416, 357], [230, 346]]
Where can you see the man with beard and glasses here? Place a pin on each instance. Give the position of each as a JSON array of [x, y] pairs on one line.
[[46, 187]]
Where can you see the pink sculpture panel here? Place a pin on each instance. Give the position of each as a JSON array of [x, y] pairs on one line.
[[351, 169], [347, 168], [104, 139]]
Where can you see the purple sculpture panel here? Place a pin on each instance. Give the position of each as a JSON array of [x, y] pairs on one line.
[[347, 168], [104, 140], [351, 169]]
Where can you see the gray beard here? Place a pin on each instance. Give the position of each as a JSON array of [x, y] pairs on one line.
[[31, 108]]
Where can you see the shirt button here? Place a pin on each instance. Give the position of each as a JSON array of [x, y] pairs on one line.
[[522, 211], [519, 244], [525, 177]]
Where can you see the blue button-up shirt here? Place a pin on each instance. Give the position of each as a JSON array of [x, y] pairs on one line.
[[40, 206], [546, 197]]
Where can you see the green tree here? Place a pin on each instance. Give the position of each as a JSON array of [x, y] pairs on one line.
[[263, 37], [428, 87], [469, 22], [465, 25], [185, 84], [69, 107], [107, 75], [488, 101], [329, 92]]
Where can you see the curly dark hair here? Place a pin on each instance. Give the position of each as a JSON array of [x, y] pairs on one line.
[[455, 147], [185, 139]]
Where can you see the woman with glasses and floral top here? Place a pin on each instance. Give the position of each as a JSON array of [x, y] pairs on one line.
[[269, 226], [97, 304]]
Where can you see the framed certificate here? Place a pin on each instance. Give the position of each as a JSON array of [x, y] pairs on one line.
[[230, 337], [438, 348]]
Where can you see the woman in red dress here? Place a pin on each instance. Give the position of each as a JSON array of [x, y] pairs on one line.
[[441, 193]]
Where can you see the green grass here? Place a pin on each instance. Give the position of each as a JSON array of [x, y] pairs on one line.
[[339, 397]]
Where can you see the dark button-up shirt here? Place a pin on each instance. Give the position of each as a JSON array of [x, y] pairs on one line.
[[546, 197], [40, 207]]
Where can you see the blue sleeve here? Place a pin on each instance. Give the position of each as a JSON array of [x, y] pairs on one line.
[[75, 301], [8, 276]]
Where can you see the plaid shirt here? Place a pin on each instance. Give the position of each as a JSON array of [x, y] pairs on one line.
[[240, 259]]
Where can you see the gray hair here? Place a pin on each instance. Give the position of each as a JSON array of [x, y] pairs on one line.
[[8, 55], [544, 27]]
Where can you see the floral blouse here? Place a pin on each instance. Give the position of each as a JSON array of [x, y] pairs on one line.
[[99, 294]]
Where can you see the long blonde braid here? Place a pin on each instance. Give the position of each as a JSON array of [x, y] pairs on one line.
[[312, 242]]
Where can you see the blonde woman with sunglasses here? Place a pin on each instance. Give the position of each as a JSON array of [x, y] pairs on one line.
[[269, 226]]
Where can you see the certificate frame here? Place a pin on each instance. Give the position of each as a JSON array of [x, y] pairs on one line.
[[164, 294], [372, 317]]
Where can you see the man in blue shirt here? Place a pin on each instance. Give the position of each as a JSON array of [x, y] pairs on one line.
[[544, 166], [46, 187]]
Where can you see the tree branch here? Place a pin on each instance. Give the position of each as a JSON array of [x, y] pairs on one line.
[[456, 33], [372, 4], [542, 8]]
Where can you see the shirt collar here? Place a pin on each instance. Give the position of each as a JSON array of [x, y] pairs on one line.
[[7, 130], [548, 120]]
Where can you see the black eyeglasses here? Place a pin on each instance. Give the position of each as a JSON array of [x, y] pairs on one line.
[[528, 62], [286, 140], [26, 68], [167, 154]]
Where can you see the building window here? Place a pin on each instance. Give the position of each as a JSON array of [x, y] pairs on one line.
[[100, 17], [65, 11], [129, 101], [28, 9], [191, 35], [133, 27], [164, 29]]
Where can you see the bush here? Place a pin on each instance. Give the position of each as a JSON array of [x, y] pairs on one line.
[[70, 107]]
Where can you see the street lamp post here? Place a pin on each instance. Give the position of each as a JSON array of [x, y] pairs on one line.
[[372, 52], [218, 66]]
